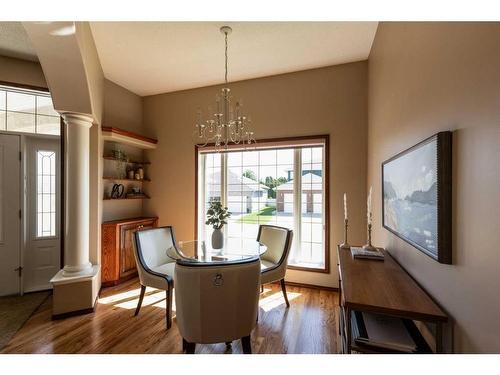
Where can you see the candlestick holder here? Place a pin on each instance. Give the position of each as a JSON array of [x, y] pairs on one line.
[[345, 245], [369, 245]]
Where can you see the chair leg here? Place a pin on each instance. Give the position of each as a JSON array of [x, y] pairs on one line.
[[190, 347], [246, 344], [169, 306], [262, 288], [283, 289], [141, 297]]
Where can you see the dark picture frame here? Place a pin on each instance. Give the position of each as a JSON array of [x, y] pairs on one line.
[[442, 194]]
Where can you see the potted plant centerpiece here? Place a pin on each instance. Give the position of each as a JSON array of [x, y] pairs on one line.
[[217, 217]]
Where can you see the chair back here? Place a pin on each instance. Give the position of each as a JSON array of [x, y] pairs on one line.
[[216, 302], [151, 247], [278, 241]]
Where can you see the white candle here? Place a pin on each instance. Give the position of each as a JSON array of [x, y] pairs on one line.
[[369, 206], [345, 206]]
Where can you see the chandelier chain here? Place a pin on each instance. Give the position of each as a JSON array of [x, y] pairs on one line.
[[225, 76]]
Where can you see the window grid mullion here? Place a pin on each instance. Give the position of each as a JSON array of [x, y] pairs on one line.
[[202, 193], [223, 187], [297, 202]]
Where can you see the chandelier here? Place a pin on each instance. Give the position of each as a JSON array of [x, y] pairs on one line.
[[227, 123]]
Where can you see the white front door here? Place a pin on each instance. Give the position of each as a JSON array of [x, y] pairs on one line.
[[42, 253], [10, 219]]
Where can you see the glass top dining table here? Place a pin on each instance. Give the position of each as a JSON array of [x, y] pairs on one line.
[[202, 251]]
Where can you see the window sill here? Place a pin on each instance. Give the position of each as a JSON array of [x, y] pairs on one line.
[[318, 268]]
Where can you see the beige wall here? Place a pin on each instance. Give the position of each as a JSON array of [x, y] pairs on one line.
[[122, 108], [425, 78], [21, 72], [322, 101]]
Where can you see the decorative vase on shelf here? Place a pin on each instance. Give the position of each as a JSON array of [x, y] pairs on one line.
[[217, 239]]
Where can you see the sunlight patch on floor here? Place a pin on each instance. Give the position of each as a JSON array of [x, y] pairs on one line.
[[122, 296], [151, 299], [128, 300], [275, 300], [154, 297]]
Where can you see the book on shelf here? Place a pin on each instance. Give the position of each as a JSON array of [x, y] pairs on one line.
[[382, 331], [359, 252]]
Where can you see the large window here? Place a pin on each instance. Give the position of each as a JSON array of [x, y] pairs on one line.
[[281, 185], [27, 111]]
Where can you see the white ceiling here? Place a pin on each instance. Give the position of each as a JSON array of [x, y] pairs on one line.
[[155, 57], [14, 42], [150, 58]]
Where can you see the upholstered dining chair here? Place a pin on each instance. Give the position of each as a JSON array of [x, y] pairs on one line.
[[274, 261], [155, 256], [216, 302]]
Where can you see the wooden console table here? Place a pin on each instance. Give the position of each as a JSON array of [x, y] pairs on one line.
[[382, 288]]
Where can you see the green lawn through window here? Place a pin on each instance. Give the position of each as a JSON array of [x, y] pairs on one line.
[[261, 216]]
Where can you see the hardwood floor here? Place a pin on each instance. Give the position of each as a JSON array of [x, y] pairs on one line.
[[308, 326]]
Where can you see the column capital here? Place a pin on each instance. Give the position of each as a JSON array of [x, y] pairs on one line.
[[77, 119]]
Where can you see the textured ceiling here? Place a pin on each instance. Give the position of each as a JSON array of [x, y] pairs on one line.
[[156, 57], [14, 42]]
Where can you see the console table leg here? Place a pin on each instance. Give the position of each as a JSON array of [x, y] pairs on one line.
[[347, 323], [439, 337]]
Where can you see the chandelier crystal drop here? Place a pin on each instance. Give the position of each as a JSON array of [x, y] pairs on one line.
[[227, 123]]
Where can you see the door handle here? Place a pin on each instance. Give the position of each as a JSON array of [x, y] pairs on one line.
[[19, 270]]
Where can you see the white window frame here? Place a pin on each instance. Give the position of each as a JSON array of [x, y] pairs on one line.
[[297, 145]]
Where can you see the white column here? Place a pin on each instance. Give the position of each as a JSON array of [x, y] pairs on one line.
[[76, 238]]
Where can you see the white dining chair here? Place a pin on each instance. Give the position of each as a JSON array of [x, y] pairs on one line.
[[274, 261], [155, 263], [216, 302]]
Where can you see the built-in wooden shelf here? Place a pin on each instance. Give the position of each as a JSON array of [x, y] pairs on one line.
[[126, 198], [126, 179], [128, 161], [129, 138]]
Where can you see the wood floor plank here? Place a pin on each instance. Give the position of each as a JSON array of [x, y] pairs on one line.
[[309, 325]]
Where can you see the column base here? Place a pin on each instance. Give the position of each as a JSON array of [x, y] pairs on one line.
[[85, 270], [76, 294]]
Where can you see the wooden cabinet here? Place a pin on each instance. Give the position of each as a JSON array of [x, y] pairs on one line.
[[117, 248]]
